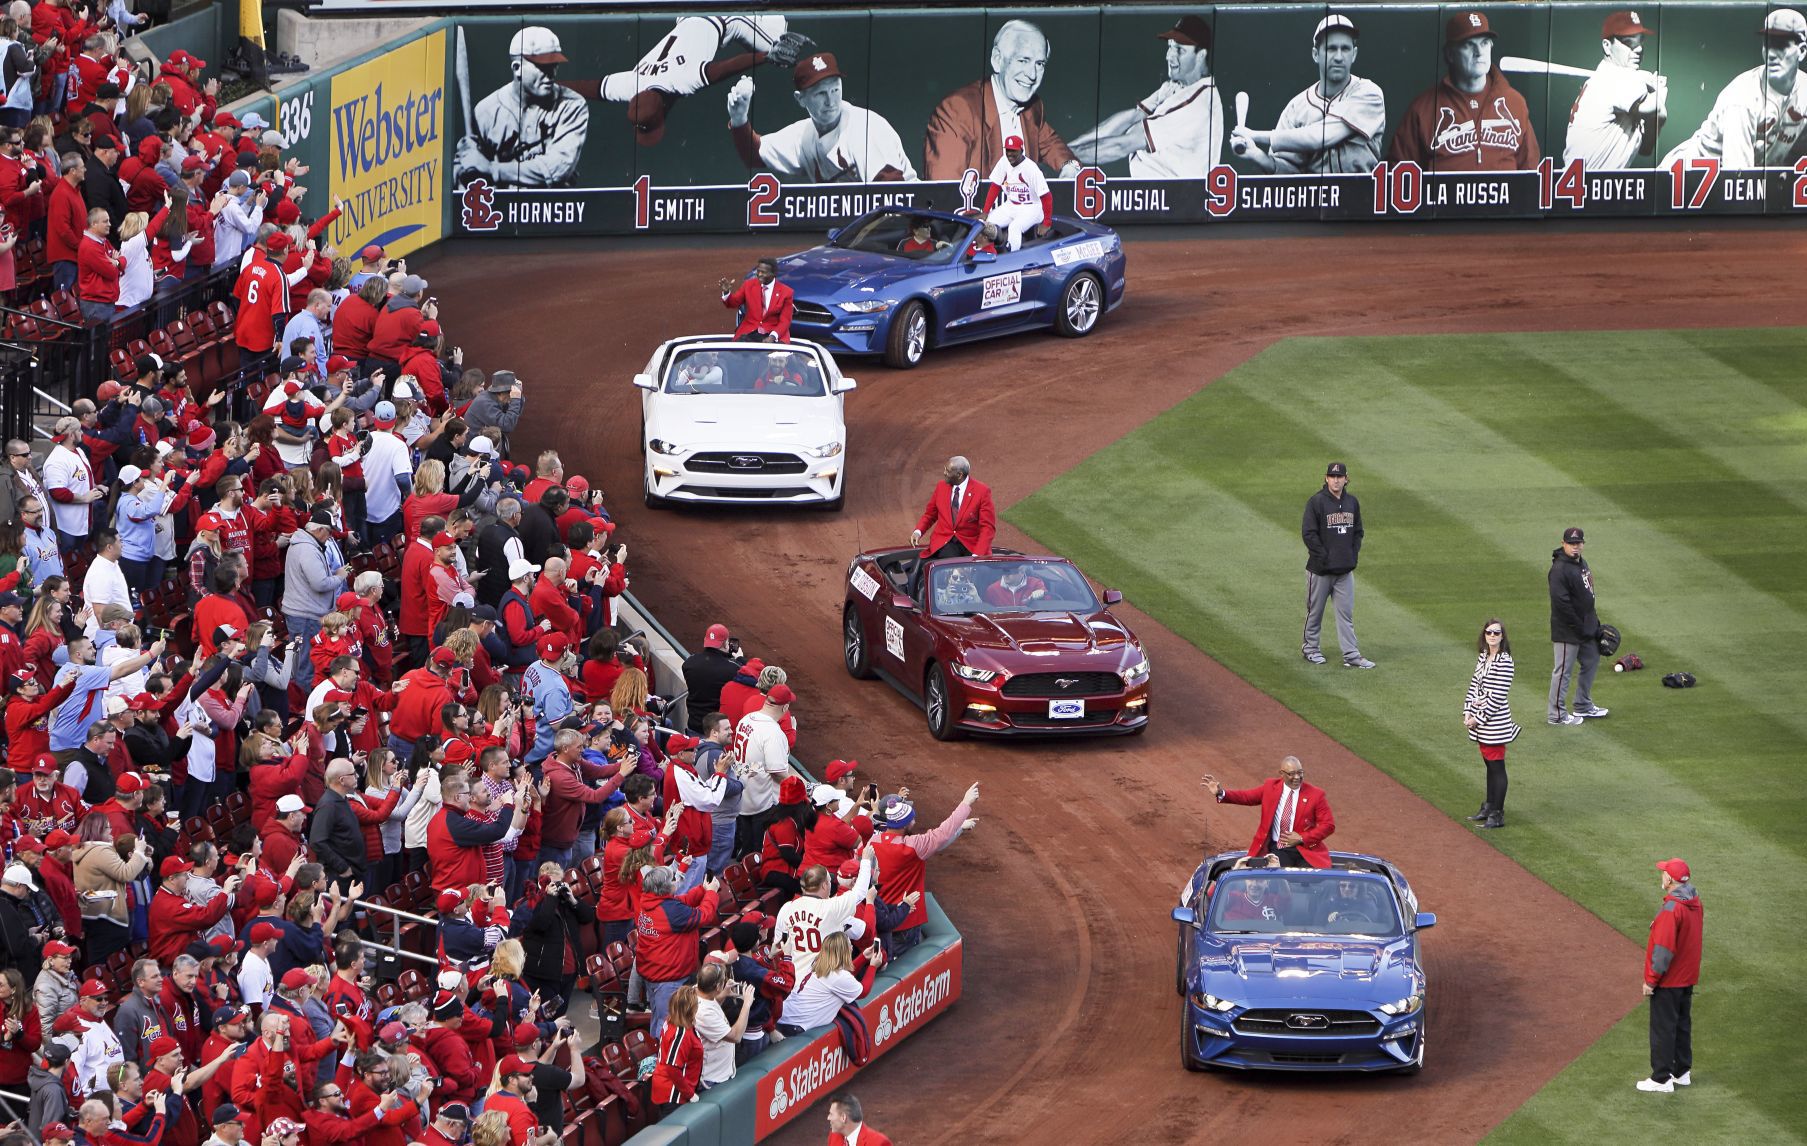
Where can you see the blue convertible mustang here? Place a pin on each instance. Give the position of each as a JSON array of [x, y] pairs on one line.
[[869, 290], [1301, 968]]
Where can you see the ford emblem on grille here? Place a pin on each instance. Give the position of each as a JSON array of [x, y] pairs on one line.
[[746, 462], [1065, 681], [1308, 1022]]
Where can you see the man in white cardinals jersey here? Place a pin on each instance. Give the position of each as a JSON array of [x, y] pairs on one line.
[[1758, 118], [837, 142], [1620, 107], [802, 922], [682, 62], [1018, 197]]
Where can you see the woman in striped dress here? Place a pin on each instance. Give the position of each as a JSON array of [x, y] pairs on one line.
[[1487, 712]]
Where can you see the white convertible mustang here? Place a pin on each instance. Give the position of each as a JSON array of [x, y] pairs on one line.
[[733, 423]]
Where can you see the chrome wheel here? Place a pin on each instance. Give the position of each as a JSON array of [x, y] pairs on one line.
[[853, 644], [916, 336], [1082, 304], [908, 339], [938, 707]]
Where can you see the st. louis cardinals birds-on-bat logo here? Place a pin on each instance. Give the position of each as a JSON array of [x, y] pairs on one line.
[[479, 212]]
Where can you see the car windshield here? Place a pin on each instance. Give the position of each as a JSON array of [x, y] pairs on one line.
[[753, 370], [921, 238], [964, 587], [1257, 902]]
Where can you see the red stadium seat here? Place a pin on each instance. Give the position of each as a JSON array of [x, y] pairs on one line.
[[239, 805], [413, 985], [387, 995], [64, 305], [639, 1046]]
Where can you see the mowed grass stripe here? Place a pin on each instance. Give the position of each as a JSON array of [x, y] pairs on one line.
[[1468, 456]]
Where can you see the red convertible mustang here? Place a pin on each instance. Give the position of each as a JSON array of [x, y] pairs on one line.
[[1002, 645]]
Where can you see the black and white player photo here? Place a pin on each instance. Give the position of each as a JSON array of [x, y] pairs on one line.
[[1335, 126], [1620, 108], [835, 141], [1178, 131], [529, 132], [1759, 116]]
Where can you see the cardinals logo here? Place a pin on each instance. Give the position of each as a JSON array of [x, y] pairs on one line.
[[479, 208]]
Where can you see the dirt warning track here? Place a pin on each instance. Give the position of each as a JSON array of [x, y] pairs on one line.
[[1068, 1030]]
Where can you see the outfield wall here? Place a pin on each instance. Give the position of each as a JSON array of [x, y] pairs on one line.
[[782, 1083], [917, 73]]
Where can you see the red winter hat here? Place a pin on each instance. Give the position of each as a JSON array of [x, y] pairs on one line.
[[837, 769], [287, 214], [792, 791], [200, 439]]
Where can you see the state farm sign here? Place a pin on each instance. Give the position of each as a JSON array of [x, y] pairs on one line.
[[818, 1067]]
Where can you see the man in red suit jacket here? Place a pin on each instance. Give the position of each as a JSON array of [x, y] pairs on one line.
[[764, 303], [959, 520], [1295, 816], [846, 1124]]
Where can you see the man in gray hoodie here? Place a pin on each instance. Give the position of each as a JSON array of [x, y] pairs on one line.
[[313, 578]]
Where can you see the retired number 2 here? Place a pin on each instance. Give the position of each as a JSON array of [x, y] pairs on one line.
[[763, 192]]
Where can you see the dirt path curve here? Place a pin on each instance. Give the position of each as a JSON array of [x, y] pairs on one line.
[[1067, 1031]]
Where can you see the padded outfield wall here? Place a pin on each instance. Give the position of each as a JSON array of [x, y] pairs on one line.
[[1728, 142]]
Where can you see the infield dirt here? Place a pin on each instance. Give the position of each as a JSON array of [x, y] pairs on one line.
[[1068, 1029]]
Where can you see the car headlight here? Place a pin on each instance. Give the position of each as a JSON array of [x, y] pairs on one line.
[[1210, 1002], [661, 446], [865, 305], [968, 672], [831, 450], [1135, 673], [1410, 1005]]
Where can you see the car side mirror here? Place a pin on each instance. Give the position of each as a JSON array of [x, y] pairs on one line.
[[902, 601], [645, 382], [845, 384], [1113, 597], [1185, 915], [982, 257], [1424, 919], [833, 233]]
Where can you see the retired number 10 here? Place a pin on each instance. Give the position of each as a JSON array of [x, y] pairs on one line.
[[1399, 187]]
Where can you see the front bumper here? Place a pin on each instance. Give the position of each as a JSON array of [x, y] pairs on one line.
[[984, 710], [843, 333], [818, 481], [1216, 1039]]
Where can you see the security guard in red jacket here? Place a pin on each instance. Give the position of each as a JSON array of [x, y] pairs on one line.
[[1671, 968]]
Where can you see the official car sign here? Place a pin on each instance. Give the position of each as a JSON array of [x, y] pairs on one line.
[[866, 583], [1065, 708], [894, 637], [1002, 290]]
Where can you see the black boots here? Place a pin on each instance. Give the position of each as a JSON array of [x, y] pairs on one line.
[[1495, 819], [1486, 810]]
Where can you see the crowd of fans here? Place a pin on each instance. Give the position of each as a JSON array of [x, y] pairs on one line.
[[282, 653]]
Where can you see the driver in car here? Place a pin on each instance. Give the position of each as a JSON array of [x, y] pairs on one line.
[[920, 241], [1263, 899], [700, 369], [1347, 900], [1016, 589], [781, 374], [960, 594]]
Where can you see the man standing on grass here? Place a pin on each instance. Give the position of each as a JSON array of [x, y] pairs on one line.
[[1332, 531], [1574, 630], [1671, 968]]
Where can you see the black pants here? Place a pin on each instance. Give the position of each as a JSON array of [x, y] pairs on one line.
[[954, 548], [749, 830], [1496, 784], [1671, 1032], [1289, 857]]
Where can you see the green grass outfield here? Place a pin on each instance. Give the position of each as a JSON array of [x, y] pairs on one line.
[[1684, 454]]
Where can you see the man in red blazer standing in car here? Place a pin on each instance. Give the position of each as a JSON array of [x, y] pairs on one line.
[[1295, 816], [959, 520], [764, 304]]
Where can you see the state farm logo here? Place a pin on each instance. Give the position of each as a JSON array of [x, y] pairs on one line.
[[478, 212], [905, 1010], [797, 1086]]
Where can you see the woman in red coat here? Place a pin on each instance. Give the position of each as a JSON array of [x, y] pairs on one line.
[[20, 1031], [680, 1068], [356, 318]]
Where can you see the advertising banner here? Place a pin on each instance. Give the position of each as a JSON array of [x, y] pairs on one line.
[[819, 1066], [387, 146], [669, 121]]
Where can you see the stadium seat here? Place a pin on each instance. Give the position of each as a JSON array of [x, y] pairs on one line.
[[387, 995], [638, 1045], [618, 954], [239, 805], [64, 306], [412, 984]]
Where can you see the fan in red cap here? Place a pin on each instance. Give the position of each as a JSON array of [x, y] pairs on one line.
[[514, 1079], [174, 921], [1671, 971]]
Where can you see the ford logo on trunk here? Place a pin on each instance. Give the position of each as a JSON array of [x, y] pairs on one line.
[[1308, 1022], [746, 462]]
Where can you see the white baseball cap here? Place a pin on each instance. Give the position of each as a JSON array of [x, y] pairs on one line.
[[537, 44], [519, 568], [1785, 22], [480, 446], [290, 804], [129, 474], [20, 874]]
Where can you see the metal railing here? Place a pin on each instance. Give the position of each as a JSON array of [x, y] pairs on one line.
[[396, 916]]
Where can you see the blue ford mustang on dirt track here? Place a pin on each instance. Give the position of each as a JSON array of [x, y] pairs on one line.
[[863, 292], [1301, 968]]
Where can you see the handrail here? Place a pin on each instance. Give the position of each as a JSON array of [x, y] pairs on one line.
[[53, 400], [396, 915]]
